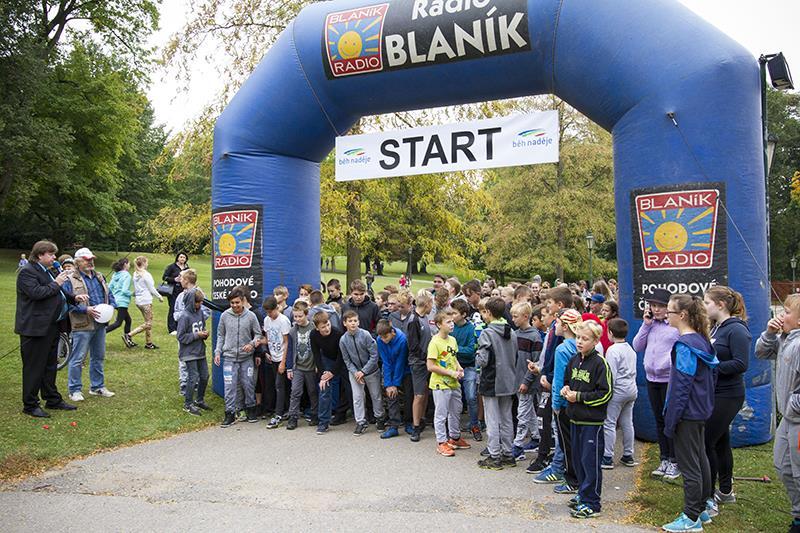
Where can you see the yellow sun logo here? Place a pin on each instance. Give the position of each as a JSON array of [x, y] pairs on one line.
[[671, 237], [227, 244], [350, 45]]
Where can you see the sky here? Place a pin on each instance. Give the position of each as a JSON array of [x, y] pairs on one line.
[[764, 27]]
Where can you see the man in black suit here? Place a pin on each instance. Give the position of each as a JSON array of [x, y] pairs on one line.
[[40, 304]]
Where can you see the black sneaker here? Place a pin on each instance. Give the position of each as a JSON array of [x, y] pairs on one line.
[[415, 434], [292, 423], [192, 409], [230, 419], [360, 429], [508, 460], [202, 405], [485, 452], [491, 463], [628, 460], [321, 430], [536, 466], [150, 346], [251, 415], [338, 420], [128, 340], [380, 424], [314, 421]]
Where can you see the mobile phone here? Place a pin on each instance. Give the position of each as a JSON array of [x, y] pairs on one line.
[[648, 314]]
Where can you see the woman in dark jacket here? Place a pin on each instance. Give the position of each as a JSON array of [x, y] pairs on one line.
[[172, 276], [731, 339]]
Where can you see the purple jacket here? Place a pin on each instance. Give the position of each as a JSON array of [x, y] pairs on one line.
[[656, 341]]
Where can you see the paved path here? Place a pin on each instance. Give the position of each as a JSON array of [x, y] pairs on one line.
[[247, 478]]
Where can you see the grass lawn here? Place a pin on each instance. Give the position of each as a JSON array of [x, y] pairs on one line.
[[759, 506], [147, 404]]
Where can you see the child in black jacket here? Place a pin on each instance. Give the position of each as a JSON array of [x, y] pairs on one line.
[[588, 391]]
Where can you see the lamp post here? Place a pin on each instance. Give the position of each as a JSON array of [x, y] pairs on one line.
[[590, 246], [793, 262], [408, 274]]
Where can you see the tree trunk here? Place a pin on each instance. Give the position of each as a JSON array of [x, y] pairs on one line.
[[333, 263], [367, 264], [423, 267]]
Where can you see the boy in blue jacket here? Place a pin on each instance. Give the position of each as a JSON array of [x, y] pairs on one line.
[[467, 340], [393, 351], [690, 402]]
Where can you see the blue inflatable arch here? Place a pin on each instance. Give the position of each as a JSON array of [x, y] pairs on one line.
[[625, 65]]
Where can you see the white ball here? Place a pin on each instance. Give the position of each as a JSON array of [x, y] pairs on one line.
[[106, 312]]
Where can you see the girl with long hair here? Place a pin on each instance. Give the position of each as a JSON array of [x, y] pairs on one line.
[[144, 290], [120, 287]]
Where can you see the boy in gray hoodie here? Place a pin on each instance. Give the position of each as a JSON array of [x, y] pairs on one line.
[[781, 341], [497, 359], [192, 334], [238, 333], [360, 354]]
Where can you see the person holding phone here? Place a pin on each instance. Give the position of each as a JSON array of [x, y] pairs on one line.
[[656, 338]]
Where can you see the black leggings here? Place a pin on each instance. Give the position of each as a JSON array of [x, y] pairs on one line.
[[122, 316], [718, 442], [657, 393]]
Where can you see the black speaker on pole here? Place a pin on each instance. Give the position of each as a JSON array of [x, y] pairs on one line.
[[779, 73]]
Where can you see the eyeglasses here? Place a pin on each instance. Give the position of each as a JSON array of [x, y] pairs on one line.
[[674, 312]]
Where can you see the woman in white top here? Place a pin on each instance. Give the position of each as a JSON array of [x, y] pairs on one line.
[[144, 290]]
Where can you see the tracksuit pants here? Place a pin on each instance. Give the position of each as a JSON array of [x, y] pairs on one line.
[[587, 451]]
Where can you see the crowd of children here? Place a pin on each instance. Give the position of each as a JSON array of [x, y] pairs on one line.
[[533, 370]]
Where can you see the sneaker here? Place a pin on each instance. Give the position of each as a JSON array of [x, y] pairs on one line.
[[76, 396], [241, 416], [274, 422], [292, 424], [389, 433], [443, 449], [338, 420], [192, 409], [584, 511], [548, 477], [721, 497], [672, 473], [607, 463], [128, 340], [508, 460], [230, 419], [203, 405], [628, 460], [360, 429], [416, 434], [459, 444], [409, 429], [712, 510], [380, 424], [532, 446], [662, 467], [485, 452], [491, 463], [102, 391], [574, 502], [251, 415], [284, 417], [476, 434], [518, 453], [150, 346], [565, 488], [173, 333], [314, 421], [321, 430], [536, 466], [683, 524], [704, 518]]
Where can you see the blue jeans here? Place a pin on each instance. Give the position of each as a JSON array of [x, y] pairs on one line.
[[95, 343], [327, 399], [470, 386], [558, 465]]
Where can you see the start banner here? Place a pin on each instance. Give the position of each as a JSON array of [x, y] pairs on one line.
[[497, 142]]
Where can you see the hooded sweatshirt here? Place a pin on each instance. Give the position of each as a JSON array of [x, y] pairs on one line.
[[690, 395], [656, 341], [467, 341], [564, 354], [233, 332], [299, 355], [359, 351], [400, 322], [529, 347], [731, 341], [786, 349], [191, 347], [497, 358], [395, 359], [368, 313], [419, 336], [120, 287]]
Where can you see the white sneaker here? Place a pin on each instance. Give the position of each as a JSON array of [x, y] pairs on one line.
[[659, 472], [672, 473], [173, 333], [102, 391], [76, 396]]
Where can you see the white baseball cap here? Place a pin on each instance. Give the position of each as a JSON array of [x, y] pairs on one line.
[[84, 253]]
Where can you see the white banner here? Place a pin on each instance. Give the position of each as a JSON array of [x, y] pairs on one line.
[[497, 142]]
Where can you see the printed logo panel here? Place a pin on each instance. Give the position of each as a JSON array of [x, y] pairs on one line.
[[415, 33], [234, 236]]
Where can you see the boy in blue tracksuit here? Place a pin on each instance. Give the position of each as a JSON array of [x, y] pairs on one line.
[[393, 351]]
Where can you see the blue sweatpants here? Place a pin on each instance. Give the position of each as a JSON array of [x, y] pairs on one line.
[[588, 443]]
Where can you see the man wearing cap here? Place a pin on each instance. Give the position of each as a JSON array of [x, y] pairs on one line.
[[87, 334], [596, 303], [41, 300], [655, 338]]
